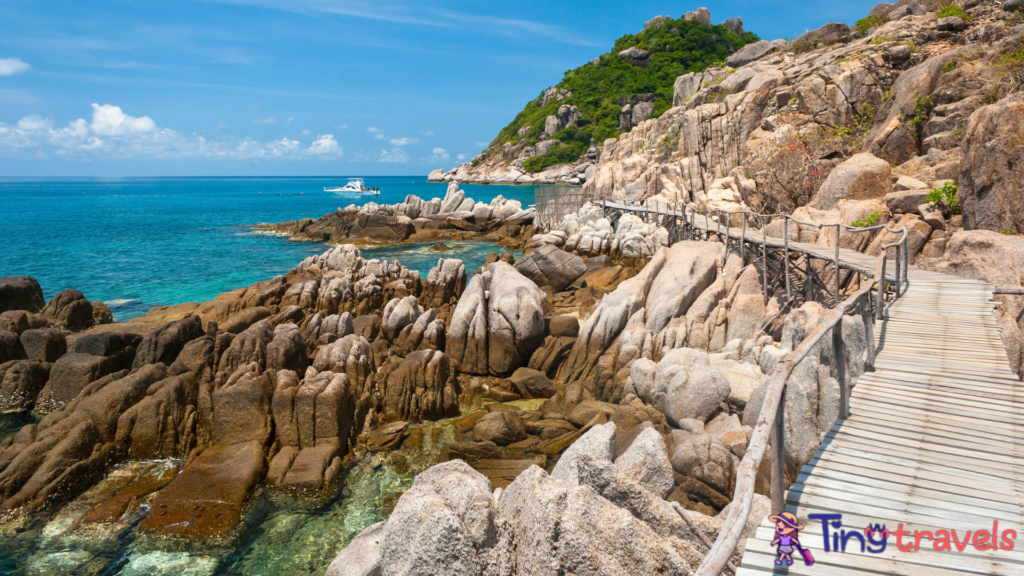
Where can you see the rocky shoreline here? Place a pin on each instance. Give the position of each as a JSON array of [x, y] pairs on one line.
[[580, 409], [454, 217], [280, 385]]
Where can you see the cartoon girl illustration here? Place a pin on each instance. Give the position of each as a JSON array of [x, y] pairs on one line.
[[787, 533]]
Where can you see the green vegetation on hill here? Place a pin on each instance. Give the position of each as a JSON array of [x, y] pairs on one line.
[[597, 90]]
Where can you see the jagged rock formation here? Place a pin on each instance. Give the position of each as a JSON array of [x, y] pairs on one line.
[[858, 131], [595, 514], [498, 323], [280, 398]]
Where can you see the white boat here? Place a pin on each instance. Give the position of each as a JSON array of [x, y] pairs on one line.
[[354, 186]]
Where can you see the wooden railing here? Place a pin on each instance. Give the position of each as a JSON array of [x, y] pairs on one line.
[[770, 427], [714, 217]]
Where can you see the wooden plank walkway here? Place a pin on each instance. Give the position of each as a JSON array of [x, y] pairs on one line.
[[935, 440]]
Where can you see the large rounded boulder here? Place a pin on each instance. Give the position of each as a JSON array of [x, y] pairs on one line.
[[20, 293]]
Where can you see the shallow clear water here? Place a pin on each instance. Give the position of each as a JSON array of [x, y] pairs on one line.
[[136, 243], [281, 534]]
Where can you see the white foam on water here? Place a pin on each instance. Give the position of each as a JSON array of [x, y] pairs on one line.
[[122, 302], [169, 563]]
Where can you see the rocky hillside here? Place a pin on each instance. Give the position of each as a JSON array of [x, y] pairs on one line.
[[917, 120], [606, 97]]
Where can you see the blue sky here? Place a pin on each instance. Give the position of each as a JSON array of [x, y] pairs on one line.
[[302, 87]]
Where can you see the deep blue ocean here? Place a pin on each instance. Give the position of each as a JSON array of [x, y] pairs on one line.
[[135, 243]]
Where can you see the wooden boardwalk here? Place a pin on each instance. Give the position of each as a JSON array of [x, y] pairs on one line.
[[935, 440]]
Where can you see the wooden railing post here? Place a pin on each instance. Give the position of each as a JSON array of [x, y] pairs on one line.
[[899, 266], [778, 441], [839, 355], [785, 255], [880, 303], [869, 333], [809, 284], [728, 221], [743, 239], [764, 260], [906, 259], [837, 264]]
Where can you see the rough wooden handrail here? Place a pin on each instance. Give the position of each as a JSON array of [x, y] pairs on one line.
[[770, 420], [732, 529]]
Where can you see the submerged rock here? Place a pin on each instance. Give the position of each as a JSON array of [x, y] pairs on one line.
[[362, 556], [207, 499]]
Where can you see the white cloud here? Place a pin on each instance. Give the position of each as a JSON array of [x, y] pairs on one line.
[[113, 133], [222, 126], [12, 66], [34, 122], [342, 126], [440, 154], [325, 144], [372, 129], [267, 120], [404, 141], [289, 120], [396, 155], [482, 144], [427, 133], [461, 157], [304, 133], [249, 148], [109, 120], [380, 136]]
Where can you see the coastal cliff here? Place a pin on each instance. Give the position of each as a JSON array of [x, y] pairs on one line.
[[557, 136]]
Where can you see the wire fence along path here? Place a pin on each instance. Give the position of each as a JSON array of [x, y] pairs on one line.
[[554, 202], [930, 438]]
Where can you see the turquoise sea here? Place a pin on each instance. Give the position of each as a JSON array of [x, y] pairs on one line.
[[135, 243]]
